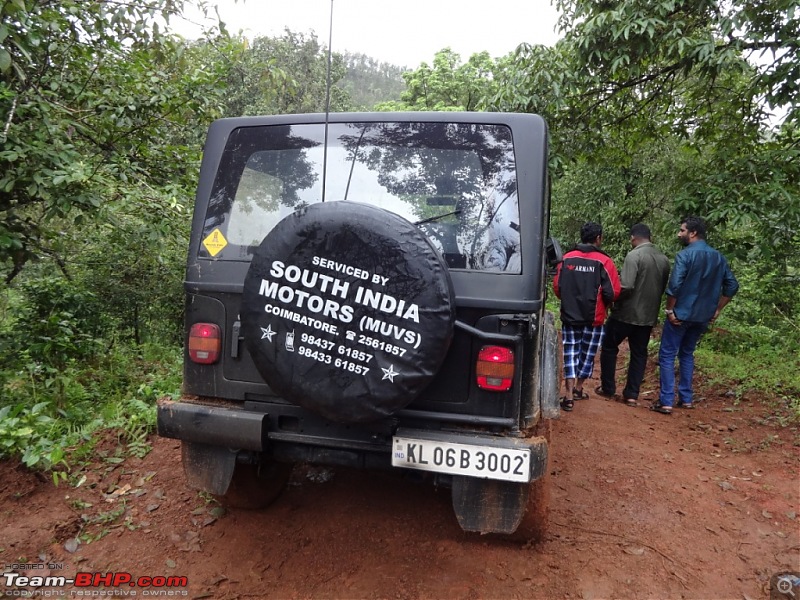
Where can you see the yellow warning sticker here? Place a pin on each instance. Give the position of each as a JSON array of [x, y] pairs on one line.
[[215, 242]]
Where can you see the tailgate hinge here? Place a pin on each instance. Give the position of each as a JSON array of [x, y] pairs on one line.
[[531, 319]]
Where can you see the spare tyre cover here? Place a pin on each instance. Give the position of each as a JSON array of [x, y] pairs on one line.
[[347, 310]]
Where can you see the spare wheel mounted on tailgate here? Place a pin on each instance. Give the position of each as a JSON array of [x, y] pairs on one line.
[[348, 310]]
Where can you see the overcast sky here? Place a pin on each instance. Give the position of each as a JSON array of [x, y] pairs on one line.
[[404, 32]]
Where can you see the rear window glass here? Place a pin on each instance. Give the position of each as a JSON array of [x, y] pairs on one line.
[[457, 182]]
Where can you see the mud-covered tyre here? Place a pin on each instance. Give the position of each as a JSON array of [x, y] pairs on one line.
[[256, 486], [347, 310], [550, 360], [534, 522]]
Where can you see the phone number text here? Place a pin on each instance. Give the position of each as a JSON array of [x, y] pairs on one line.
[[327, 359]]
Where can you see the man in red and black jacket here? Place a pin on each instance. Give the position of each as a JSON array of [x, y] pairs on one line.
[[587, 283]]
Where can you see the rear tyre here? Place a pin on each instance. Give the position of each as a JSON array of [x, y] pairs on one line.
[[534, 522], [256, 486], [533, 526]]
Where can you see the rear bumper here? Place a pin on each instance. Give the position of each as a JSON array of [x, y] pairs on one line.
[[238, 429], [211, 425]]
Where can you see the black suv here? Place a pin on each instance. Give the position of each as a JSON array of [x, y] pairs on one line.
[[369, 290]]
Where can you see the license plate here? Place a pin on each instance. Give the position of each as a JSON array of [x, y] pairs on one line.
[[485, 462]]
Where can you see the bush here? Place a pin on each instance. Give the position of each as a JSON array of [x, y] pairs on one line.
[[56, 426], [752, 357]]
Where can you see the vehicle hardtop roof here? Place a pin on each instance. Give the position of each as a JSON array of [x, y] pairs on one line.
[[377, 117]]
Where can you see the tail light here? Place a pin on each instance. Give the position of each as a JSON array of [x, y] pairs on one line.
[[495, 368], [205, 343]]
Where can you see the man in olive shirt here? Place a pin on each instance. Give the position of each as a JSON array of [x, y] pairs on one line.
[[644, 276]]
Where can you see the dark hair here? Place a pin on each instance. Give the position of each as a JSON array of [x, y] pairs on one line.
[[590, 231], [695, 225], [640, 230]]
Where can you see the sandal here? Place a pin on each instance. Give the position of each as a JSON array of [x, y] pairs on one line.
[[579, 395], [685, 404], [664, 410], [630, 402], [566, 404], [601, 392]]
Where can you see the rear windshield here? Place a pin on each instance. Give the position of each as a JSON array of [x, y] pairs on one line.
[[456, 181]]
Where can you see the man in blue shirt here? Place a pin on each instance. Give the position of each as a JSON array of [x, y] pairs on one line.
[[700, 286]]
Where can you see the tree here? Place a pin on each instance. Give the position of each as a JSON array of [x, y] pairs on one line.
[[369, 81], [675, 48], [448, 84], [94, 101], [286, 74]]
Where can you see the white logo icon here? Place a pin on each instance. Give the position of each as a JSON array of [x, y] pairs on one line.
[[389, 373], [267, 333]]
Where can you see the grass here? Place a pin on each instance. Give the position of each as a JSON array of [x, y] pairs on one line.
[[743, 359], [55, 425]]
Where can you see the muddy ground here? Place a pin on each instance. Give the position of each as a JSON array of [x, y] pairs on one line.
[[700, 504]]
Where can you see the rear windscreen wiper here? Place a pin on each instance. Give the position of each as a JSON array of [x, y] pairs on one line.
[[437, 217]]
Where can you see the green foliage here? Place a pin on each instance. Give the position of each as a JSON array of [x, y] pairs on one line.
[[746, 358], [618, 197], [448, 84], [767, 300], [94, 99], [54, 324], [286, 74], [29, 432], [645, 56], [368, 81], [49, 428], [64, 380], [139, 282], [754, 191], [632, 78]]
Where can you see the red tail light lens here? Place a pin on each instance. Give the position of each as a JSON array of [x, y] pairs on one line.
[[495, 368], [205, 343]]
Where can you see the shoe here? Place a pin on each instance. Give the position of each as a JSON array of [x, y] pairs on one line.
[[664, 410], [601, 392], [579, 395], [566, 404], [682, 404]]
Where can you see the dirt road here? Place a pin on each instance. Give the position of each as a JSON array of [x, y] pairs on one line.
[[700, 504]]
